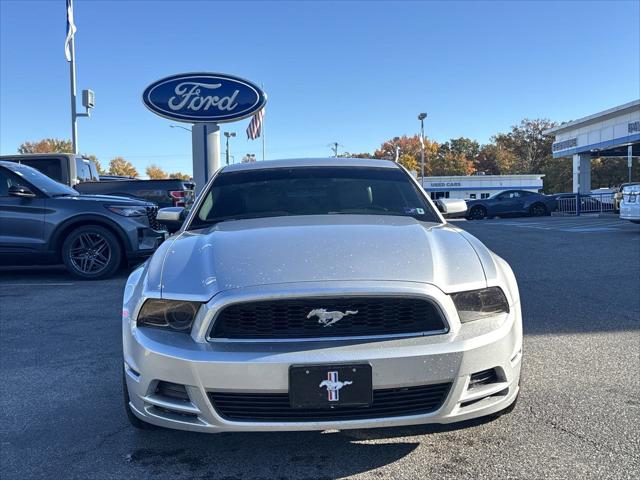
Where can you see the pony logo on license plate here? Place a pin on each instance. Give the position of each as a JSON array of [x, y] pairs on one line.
[[333, 386]]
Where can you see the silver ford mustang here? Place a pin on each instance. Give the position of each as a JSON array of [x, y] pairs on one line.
[[318, 294]]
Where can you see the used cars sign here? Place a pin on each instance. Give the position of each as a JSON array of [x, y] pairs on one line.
[[203, 97]]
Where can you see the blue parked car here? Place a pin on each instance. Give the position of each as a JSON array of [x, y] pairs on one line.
[[511, 203]]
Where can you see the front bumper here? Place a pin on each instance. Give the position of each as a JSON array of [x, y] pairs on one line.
[[153, 355], [630, 211], [142, 239]]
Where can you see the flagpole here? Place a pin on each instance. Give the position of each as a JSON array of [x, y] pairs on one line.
[[74, 116], [70, 53]]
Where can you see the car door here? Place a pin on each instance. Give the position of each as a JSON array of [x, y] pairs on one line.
[[504, 203], [21, 219]]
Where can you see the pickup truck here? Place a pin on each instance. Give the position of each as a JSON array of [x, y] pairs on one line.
[[81, 173]]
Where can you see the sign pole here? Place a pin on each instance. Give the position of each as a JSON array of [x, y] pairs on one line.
[[212, 131], [630, 159]]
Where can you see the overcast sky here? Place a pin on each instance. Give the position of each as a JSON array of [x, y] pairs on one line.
[[353, 72]]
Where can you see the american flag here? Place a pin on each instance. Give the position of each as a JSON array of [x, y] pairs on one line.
[[71, 30], [254, 130]]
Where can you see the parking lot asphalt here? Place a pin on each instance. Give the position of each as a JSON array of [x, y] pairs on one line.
[[578, 414]]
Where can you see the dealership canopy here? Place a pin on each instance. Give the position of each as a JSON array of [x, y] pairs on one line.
[[612, 133]]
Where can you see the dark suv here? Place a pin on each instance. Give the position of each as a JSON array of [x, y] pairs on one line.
[[45, 222]]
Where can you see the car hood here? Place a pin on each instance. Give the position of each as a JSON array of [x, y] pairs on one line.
[[111, 199], [198, 264]]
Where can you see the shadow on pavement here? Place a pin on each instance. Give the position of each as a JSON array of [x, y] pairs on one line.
[[257, 455]]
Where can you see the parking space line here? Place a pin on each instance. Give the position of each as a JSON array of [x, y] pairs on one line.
[[567, 225]]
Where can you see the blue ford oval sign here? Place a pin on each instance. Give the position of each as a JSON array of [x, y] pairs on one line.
[[203, 97]]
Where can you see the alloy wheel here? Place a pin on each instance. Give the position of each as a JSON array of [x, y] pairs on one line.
[[90, 253]]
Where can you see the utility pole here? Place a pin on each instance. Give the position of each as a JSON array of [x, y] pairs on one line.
[[421, 117], [227, 135]]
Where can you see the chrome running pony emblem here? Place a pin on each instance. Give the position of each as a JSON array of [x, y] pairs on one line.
[[329, 318]]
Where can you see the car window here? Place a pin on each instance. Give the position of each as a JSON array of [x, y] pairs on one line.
[[7, 181], [94, 175], [312, 191], [83, 173], [51, 167], [41, 181]]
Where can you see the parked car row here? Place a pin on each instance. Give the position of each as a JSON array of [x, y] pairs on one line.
[[527, 203], [511, 203], [82, 174], [43, 221]]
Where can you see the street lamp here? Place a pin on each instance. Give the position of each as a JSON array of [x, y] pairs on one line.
[[228, 134], [180, 126], [421, 117]]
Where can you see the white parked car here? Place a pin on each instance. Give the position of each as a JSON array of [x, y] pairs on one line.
[[630, 204], [319, 294]]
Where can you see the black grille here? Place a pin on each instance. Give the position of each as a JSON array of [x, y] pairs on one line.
[[274, 407], [282, 319], [152, 213]]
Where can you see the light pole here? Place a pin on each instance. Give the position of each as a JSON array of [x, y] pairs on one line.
[[421, 117], [397, 148], [180, 126], [228, 135]]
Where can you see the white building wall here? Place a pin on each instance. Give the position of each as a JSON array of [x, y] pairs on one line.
[[479, 186]]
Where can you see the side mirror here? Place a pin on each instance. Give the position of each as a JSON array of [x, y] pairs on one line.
[[451, 206], [170, 214], [20, 191], [171, 217]]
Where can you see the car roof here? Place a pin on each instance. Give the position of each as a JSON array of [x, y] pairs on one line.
[[312, 162]]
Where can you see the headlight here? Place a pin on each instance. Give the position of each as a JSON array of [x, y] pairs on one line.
[[128, 210], [174, 315], [477, 304]]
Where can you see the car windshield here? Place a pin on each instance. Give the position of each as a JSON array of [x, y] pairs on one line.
[[312, 191], [41, 181], [631, 188]]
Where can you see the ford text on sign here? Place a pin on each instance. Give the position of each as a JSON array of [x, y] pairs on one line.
[[203, 97]]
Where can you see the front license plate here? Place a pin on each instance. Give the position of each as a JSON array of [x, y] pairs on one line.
[[330, 386]]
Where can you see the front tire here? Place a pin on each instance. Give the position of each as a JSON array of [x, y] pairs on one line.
[[478, 213], [91, 252], [538, 210]]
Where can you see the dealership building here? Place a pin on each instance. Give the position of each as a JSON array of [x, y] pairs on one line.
[[612, 133], [471, 187]]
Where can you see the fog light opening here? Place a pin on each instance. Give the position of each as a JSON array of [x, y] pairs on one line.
[[172, 391], [484, 377]]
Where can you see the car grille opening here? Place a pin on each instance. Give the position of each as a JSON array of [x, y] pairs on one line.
[[342, 317], [484, 377], [275, 407], [174, 391], [152, 213]]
